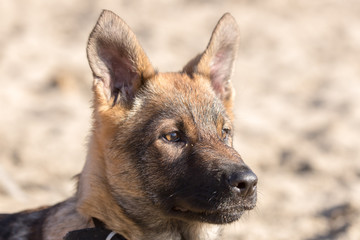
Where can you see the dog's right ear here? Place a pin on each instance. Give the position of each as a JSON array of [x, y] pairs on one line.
[[118, 62]]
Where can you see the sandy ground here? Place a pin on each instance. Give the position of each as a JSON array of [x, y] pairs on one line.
[[297, 106]]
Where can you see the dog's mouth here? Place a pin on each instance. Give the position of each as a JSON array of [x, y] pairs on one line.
[[217, 210], [216, 216]]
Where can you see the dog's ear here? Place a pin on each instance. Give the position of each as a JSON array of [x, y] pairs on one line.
[[119, 64], [216, 62]]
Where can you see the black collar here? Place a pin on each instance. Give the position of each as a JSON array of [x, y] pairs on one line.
[[99, 232]]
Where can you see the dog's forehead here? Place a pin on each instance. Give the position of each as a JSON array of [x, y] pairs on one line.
[[195, 89], [181, 95]]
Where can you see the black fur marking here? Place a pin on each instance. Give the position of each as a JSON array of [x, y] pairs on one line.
[[23, 225]]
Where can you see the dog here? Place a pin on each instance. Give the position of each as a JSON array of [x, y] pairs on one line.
[[161, 163]]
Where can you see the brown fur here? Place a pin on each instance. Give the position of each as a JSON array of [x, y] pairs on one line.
[[160, 163]]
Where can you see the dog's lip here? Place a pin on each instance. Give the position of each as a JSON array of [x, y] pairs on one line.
[[214, 211], [180, 209], [216, 216]]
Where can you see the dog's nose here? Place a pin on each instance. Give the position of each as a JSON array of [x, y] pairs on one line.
[[244, 181]]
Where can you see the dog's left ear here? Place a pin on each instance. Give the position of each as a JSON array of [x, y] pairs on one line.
[[216, 62], [118, 62]]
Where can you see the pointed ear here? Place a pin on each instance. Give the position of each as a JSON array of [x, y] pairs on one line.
[[216, 62], [119, 64]]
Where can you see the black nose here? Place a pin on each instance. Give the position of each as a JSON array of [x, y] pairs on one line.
[[243, 181]]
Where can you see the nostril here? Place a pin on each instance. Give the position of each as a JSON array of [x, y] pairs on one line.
[[242, 186], [253, 186]]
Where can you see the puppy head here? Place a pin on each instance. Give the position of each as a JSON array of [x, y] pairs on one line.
[[166, 138]]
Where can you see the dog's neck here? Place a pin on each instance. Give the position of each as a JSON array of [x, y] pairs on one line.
[[94, 195], [95, 200]]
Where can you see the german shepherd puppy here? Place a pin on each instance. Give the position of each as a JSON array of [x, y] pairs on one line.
[[160, 163]]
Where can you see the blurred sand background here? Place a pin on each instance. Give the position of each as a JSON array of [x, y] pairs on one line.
[[297, 107]]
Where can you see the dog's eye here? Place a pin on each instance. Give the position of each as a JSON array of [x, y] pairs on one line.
[[172, 137], [225, 132]]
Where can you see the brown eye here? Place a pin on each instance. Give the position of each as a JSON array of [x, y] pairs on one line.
[[225, 132], [172, 137]]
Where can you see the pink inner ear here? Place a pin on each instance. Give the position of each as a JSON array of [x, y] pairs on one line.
[[121, 74], [123, 78], [220, 71]]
